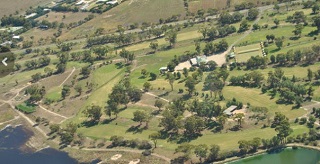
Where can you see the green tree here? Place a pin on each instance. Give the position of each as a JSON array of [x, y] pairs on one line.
[[85, 71], [140, 116], [154, 46], [279, 42], [78, 89], [154, 137], [213, 153], [239, 117], [171, 37], [310, 74], [201, 151], [93, 113], [159, 104], [253, 14], [65, 91], [276, 22], [171, 80], [190, 84], [146, 86]]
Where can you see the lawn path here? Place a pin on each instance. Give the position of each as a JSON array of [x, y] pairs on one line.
[[43, 108], [68, 76]]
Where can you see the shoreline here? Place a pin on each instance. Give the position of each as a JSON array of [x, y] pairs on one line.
[[261, 152]]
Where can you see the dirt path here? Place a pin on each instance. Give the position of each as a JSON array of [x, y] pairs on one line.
[[5, 122], [151, 94], [74, 69], [56, 114]]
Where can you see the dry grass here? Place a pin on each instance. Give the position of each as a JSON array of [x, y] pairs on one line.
[[58, 16], [11, 6], [128, 13], [194, 6]]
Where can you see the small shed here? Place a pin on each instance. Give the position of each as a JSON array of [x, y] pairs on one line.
[[229, 111], [231, 55], [163, 70]]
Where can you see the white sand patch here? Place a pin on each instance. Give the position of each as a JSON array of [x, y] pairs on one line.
[[136, 161], [116, 157]]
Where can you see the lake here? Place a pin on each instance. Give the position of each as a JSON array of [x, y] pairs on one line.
[[11, 139], [285, 156]]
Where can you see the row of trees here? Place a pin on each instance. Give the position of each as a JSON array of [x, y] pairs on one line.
[[41, 62], [212, 33]]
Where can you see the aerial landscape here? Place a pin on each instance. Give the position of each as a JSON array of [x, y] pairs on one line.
[[160, 81]]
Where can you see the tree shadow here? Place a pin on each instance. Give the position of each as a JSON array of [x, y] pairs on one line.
[[164, 94], [179, 160], [135, 129], [108, 121], [88, 124]]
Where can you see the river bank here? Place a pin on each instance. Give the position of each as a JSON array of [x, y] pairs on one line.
[[34, 143]]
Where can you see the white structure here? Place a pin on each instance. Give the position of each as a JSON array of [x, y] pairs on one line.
[[79, 3], [112, 2], [30, 15], [16, 37]]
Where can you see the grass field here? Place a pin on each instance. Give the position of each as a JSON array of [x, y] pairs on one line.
[[246, 52], [26, 108]]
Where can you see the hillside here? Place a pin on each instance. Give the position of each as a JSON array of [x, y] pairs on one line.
[[130, 12]]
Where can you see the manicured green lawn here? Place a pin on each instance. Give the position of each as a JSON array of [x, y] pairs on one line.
[[26, 108]]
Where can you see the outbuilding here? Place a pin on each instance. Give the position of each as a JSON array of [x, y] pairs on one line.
[[229, 111]]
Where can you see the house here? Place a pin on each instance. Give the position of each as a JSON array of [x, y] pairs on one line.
[[229, 111], [163, 70], [198, 60]]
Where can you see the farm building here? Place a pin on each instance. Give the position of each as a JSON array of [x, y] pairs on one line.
[[30, 15], [198, 60], [229, 111], [17, 37]]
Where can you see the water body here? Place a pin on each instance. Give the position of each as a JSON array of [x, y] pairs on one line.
[[11, 140], [285, 156]]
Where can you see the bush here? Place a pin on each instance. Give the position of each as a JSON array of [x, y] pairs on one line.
[[180, 90], [146, 152], [144, 145]]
